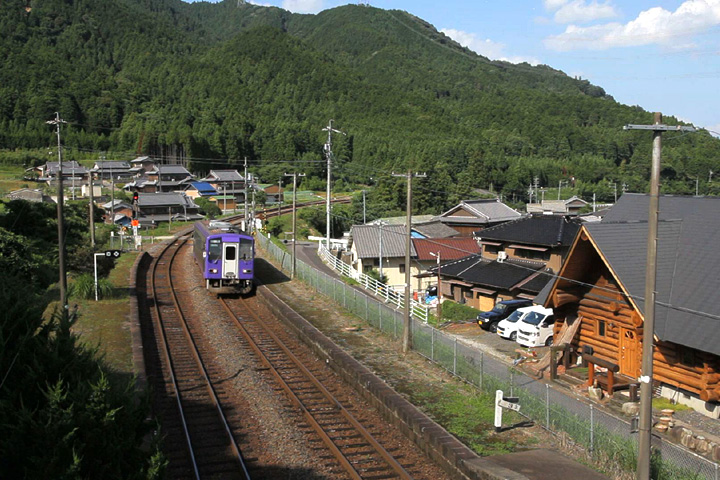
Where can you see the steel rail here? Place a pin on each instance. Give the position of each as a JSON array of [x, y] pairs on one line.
[[180, 242], [384, 454]]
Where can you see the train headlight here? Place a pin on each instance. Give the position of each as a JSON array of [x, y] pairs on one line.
[[213, 270], [247, 271]]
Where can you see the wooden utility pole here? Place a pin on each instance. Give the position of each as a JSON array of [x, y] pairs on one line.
[[645, 423], [294, 220], [407, 340], [60, 222]]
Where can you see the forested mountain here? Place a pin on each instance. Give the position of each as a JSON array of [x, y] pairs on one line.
[[208, 84]]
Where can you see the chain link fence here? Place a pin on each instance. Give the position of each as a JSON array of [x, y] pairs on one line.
[[602, 434]]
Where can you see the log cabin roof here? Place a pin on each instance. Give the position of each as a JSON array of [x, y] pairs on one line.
[[688, 262]]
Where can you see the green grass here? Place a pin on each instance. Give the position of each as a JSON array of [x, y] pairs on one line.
[[663, 403], [468, 415], [106, 323]]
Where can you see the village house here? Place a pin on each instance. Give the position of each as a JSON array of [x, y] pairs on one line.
[[228, 182], [154, 208], [570, 206], [433, 251], [382, 248], [472, 215], [112, 170], [200, 190], [518, 258], [599, 293]]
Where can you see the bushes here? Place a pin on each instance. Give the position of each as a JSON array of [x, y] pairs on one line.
[[84, 287], [458, 313]]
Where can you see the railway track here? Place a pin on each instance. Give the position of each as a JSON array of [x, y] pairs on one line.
[[353, 446], [344, 438], [209, 449]]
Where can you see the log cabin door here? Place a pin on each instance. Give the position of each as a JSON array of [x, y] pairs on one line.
[[629, 353]]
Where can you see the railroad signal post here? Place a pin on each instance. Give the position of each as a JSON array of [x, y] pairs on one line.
[[106, 253]]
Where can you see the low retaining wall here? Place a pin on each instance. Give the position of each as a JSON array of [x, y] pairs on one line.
[[452, 455]]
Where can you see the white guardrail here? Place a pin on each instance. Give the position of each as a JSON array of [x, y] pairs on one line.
[[377, 288]]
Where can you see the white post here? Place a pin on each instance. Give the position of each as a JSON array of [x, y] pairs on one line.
[[96, 273], [498, 410]]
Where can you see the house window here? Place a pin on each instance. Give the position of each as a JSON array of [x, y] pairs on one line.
[[376, 262], [493, 249], [367, 268], [402, 268], [601, 328]]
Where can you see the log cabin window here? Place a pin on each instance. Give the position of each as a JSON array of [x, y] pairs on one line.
[[600, 328]]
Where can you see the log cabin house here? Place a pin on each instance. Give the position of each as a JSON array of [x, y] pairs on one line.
[[602, 282]]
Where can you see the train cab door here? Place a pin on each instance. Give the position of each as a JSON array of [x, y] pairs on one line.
[[230, 260]]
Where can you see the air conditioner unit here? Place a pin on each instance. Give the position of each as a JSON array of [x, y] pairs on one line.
[[502, 256]]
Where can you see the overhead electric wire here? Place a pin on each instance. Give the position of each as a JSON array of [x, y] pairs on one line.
[[532, 270]]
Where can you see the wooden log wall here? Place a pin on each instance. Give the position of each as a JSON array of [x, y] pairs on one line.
[[688, 369]]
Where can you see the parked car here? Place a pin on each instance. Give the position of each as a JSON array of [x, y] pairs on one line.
[[508, 327], [535, 329], [489, 320]]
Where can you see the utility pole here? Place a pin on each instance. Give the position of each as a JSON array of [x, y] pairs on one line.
[[279, 196], [645, 424], [245, 194], [294, 220], [60, 222], [364, 220], [407, 341], [439, 295], [614, 185], [92, 209], [328, 154]]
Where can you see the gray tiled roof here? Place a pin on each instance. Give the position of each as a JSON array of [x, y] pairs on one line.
[[223, 176], [481, 212], [688, 310], [112, 165], [164, 199], [366, 239], [435, 229], [547, 230], [171, 169]]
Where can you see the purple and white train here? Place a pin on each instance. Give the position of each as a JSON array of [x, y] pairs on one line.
[[225, 256]]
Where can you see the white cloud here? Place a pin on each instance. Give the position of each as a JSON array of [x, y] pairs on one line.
[[486, 48], [259, 4], [580, 11], [653, 26], [714, 129], [303, 6]]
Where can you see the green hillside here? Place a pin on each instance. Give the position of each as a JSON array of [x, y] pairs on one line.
[[208, 84]]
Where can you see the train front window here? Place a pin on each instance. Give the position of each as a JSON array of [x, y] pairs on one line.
[[214, 250], [246, 249], [230, 252]]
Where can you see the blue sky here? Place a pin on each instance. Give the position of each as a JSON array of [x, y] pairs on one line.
[[663, 55]]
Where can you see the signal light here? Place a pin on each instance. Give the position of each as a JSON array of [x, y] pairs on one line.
[[135, 197]]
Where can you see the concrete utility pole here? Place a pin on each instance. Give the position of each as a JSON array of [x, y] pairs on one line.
[[645, 424], [439, 307], [92, 209], [328, 154], [407, 341], [294, 220], [245, 194], [60, 222]]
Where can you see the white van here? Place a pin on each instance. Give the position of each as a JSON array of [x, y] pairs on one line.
[[508, 327], [535, 329]]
